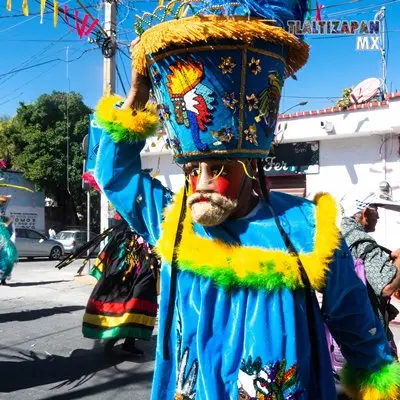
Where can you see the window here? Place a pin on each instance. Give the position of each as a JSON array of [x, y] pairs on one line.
[[65, 235], [20, 233], [81, 236], [34, 235]]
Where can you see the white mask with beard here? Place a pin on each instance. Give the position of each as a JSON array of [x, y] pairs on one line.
[[212, 212]]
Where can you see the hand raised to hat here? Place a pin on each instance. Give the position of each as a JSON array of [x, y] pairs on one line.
[[140, 87]]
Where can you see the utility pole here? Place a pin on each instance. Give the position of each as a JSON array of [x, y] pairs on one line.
[[381, 17], [109, 74]]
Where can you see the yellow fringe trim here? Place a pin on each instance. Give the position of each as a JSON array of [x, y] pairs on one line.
[[191, 31], [138, 121], [245, 262]]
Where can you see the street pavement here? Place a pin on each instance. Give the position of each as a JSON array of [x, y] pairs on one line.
[[43, 354]]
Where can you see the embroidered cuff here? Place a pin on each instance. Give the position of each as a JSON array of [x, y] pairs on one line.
[[362, 384], [126, 125]]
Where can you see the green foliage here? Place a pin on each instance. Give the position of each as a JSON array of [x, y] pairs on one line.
[[345, 100], [36, 140]]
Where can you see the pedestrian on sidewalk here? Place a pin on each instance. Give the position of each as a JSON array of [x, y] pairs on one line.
[[52, 232], [381, 266]]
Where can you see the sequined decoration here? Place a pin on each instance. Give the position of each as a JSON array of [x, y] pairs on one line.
[[156, 77], [227, 65], [251, 134], [252, 102], [174, 144], [163, 112], [269, 101], [186, 381], [229, 100], [223, 135], [254, 65], [192, 100], [271, 382]]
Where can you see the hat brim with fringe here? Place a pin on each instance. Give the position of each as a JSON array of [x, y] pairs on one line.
[[218, 82]]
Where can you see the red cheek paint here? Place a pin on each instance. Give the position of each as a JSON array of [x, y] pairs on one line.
[[227, 186]]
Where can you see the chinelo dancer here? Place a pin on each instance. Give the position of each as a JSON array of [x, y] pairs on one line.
[[8, 251], [238, 318]]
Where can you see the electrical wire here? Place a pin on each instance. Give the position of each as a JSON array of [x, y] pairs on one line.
[[120, 79], [33, 57], [123, 67], [47, 62]]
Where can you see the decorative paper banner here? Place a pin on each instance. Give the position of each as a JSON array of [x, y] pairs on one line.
[[55, 13], [16, 187], [81, 27], [25, 7], [42, 6]]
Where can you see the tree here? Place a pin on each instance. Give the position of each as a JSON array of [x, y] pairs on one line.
[[36, 140], [345, 100]]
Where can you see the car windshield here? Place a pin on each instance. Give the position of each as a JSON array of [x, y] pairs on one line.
[[65, 235]]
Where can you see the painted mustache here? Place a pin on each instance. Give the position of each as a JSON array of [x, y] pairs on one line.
[[215, 199], [210, 209]]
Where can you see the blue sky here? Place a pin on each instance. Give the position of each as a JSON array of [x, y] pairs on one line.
[[334, 62]]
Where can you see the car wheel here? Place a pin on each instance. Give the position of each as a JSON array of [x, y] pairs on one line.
[[55, 253]]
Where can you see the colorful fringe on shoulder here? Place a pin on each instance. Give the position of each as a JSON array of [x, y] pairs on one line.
[[126, 125], [252, 267], [361, 384]]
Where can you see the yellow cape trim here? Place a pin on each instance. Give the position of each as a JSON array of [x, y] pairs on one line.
[[191, 31], [252, 266]]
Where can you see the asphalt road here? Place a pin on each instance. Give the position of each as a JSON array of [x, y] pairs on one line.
[[43, 354]]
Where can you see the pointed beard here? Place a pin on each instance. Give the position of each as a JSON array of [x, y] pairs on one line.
[[212, 212]]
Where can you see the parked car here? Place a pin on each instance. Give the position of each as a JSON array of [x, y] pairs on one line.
[[73, 239], [32, 244]]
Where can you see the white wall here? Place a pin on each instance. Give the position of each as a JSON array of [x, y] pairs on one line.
[[25, 207], [353, 123], [170, 173], [359, 164]]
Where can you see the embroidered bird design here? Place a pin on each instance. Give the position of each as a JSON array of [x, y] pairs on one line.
[[192, 99]]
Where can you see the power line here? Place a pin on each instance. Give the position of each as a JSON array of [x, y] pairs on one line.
[[47, 62], [120, 79], [314, 97], [34, 57]]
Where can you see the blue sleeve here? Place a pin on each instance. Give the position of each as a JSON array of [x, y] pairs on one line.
[[137, 197], [349, 316]]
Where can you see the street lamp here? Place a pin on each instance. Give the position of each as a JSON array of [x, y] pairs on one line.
[[302, 103], [276, 141]]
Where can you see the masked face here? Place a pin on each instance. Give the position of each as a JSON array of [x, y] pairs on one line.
[[216, 188]]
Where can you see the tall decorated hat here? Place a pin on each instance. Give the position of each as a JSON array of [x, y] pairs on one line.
[[217, 72]]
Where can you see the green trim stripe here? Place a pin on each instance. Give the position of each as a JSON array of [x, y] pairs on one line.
[[116, 332], [268, 279], [96, 273]]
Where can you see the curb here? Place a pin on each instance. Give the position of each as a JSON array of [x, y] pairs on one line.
[[85, 279]]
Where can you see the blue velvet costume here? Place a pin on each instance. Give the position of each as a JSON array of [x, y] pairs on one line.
[[214, 331]]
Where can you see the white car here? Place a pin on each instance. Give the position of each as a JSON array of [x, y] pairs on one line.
[[73, 239], [30, 243]]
